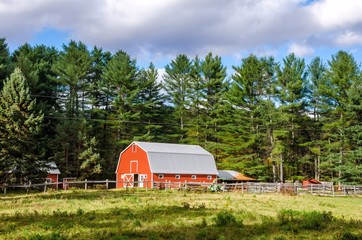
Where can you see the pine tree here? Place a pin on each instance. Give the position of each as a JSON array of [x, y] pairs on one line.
[[352, 168], [72, 71], [98, 114], [150, 105], [177, 83], [90, 160], [212, 77], [317, 79], [250, 96], [20, 159], [121, 77], [5, 65], [292, 96], [342, 74], [35, 63]]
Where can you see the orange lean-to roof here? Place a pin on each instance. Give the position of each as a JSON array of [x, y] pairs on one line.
[[234, 175], [242, 177]]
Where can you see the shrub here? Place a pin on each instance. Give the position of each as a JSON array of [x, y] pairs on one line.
[[80, 211], [294, 220], [348, 236], [137, 223], [316, 220], [59, 213], [225, 218], [203, 223], [116, 211], [51, 236], [186, 205]]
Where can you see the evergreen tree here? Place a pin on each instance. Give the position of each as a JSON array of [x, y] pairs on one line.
[[150, 104], [20, 159], [121, 75], [317, 80], [90, 160], [342, 74], [292, 96], [5, 66], [177, 83], [98, 114], [35, 63], [352, 168], [212, 76], [193, 132], [72, 70], [250, 95]]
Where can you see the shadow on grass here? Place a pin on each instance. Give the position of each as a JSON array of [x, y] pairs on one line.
[[77, 194], [173, 222]]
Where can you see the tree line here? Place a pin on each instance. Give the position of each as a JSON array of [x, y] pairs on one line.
[[274, 121]]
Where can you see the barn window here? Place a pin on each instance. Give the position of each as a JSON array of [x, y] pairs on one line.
[[193, 177], [177, 177], [160, 176], [134, 148], [48, 180], [209, 177]]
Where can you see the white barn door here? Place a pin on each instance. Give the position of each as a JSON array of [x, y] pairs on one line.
[[128, 178]]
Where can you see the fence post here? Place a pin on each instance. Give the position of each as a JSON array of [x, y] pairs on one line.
[[45, 187], [333, 190], [146, 185], [107, 184], [85, 184], [324, 189], [311, 188], [28, 188], [242, 188], [354, 189]]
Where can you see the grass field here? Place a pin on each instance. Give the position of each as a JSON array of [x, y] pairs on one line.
[[120, 214]]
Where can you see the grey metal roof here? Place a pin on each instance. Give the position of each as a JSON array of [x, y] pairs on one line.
[[52, 168], [178, 158], [227, 174]]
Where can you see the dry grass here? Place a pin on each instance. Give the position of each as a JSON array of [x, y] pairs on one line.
[[118, 214]]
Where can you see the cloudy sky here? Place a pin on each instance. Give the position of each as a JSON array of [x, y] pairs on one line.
[[157, 30]]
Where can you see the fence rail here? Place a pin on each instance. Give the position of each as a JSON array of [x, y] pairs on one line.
[[244, 187]]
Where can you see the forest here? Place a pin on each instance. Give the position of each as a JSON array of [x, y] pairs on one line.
[[275, 121]]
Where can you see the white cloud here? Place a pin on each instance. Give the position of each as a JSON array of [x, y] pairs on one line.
[[158, 29], [300, 50], [349, 38], [331, 14]]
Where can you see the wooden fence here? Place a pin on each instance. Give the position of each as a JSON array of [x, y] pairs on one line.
[[245, 187]]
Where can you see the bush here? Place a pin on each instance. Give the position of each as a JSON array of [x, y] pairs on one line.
[[225, 218], [294, 220], [51, 236], [349, 236], [316, 220]]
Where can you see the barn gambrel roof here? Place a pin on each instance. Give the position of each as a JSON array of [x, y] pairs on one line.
[[178, 158]]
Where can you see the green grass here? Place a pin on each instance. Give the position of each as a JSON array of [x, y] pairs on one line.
[[118, 214]]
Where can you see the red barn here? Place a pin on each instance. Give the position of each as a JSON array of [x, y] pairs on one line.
[[146, 162]]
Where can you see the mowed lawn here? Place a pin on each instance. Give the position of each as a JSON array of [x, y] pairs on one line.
[[121, 214]]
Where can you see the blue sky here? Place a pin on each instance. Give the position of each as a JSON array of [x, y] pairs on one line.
[[158, 30]]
